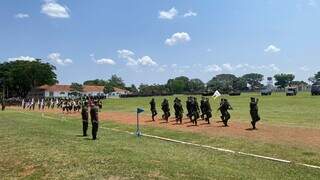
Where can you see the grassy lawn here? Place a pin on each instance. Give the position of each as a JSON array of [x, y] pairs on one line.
[[34, 147], [301, 110]]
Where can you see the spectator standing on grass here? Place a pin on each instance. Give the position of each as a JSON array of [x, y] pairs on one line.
[[254, 112], [153, 108], [94, 119]]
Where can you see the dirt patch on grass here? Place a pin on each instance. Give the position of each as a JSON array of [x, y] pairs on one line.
[[27, 171], [294, 136]]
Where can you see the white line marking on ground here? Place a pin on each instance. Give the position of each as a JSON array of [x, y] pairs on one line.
[[199, 145]]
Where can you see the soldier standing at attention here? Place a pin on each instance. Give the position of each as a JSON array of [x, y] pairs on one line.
[[254, 112], [153, 108], [166, 110], [188, 104], [94, 119], [85, 118]]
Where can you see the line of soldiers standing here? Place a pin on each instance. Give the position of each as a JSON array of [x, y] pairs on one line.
[[194, 110]]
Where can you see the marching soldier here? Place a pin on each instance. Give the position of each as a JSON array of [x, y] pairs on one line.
[[166, 110], [188, 104], [178, 110], [195, 111], [202, 107], [85, 118], [225, 115], [94, 119], [254, 112], [153, 108], [208, 110]]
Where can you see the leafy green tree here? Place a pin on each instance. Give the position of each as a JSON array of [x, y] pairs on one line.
[[178, 85], [95, 82], [20, 77], [116, 81], [108, 88], [196, 85], [283, 80], [254, 79], [315, 78], [222, 82], [76, 87]]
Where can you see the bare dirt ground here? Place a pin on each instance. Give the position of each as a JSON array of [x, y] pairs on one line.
[[293, 136]]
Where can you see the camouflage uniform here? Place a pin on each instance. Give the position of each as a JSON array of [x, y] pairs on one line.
[[195, 111], [3, 104], [208, 110], [202, 108], [188, 104], [153, 108], [254, 112], [224, 107], [166, 110], [94, 120], [85, 118], [178, 110]]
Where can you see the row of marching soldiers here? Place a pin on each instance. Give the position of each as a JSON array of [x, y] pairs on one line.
[[67, 105], [204, 111]]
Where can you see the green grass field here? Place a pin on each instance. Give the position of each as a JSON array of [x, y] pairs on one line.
[[36, 147], [302, 110]]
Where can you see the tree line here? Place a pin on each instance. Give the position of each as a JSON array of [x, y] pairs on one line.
[[18, 78]]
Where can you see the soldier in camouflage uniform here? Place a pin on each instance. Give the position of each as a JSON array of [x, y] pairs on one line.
[[195, 111], [85, 118], [166, 110], [208, 110], [188, 105], [94, 119], [3, 104], [254, 112], [178, 110], [202, 107], [225, 115], [153, 108]]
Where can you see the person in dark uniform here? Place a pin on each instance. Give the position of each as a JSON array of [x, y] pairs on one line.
[[94, 119], [202, 108], [225, 115], [3, 104], [85, 118], [166, 110], [195, 111], [153, 108], [188, 105], [254, 112], [208, 110], [178, 110]]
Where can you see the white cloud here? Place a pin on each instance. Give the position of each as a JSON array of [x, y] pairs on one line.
[[56, 58], [209, 50], [124, 53], [170, 14], [213, 68], [189, 14], [179, 37], [272, 49], [54, 9], [23, 58], [21, 16], [105, 61], [146, 61], [227, 67]]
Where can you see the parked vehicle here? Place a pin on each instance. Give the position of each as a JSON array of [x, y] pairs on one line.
[[266, 91], [315, 89], [291, 91]]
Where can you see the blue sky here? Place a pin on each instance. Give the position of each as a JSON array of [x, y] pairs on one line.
[[149, 41]]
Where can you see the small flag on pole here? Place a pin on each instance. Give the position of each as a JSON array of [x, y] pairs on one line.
[[216, 94], [139, 110]]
